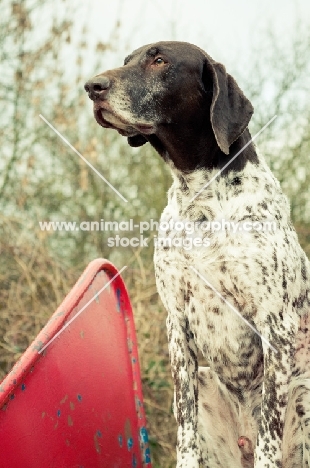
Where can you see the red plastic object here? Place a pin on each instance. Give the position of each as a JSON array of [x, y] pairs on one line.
[[78, 404]]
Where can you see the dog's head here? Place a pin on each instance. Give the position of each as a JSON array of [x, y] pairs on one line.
[[170, 85]]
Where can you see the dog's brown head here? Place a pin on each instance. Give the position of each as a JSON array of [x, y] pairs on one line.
[[175, 96]]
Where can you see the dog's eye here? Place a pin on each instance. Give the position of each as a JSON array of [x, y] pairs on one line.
[[159, 61]]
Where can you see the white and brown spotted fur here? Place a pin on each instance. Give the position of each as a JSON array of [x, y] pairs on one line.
[[251, 406]]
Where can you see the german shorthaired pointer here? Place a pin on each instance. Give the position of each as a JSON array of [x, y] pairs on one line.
[[251, 407]]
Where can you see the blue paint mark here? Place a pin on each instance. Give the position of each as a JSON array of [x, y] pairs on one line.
[[99, 434], [23, 386], [138, 405], [79, 397], [134, 460], [134, 360], [58, 413], [147, 456], [38, 346], [12, 397], [120, 440], [130, 443], [118, 295], [144, 435]]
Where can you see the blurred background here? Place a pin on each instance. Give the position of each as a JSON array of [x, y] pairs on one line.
[[48, 49]]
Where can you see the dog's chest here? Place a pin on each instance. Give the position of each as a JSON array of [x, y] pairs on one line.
[[185, 284], [200, 270]]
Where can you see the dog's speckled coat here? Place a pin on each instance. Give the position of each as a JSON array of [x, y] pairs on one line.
[[251, 407]]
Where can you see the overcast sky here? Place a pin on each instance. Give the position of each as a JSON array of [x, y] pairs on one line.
[[226, 29]]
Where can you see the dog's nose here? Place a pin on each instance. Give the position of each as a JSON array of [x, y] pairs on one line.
[[97, 87]]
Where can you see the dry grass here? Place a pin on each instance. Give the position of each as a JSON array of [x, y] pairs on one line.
[[32, 284]]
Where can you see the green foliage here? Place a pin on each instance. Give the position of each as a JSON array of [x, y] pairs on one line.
[[278, 83]]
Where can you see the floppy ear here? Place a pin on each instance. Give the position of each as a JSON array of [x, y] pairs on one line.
[[137, 140], [230, 110]]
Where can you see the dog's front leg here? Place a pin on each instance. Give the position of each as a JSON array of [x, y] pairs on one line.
[[184, 364], [278, 364]]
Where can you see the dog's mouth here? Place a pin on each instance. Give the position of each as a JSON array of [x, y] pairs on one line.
[[108, 119]]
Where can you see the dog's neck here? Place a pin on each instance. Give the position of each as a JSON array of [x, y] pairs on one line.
[[190, 152]]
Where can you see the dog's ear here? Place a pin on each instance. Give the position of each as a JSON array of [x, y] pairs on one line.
[[137, 140], [230, 110]]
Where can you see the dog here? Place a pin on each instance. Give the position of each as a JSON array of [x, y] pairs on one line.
[[240, 298]]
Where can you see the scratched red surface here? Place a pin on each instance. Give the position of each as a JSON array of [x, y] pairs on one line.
[[79, 403]]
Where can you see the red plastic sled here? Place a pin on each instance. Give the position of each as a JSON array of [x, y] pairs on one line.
[[74, 399]]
